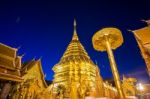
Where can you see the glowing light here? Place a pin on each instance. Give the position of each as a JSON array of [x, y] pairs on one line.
[[140, 87]]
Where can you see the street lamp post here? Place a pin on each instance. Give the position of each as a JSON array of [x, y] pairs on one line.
[[106, 40]]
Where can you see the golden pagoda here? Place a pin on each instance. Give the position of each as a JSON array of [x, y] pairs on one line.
[[99, 84], [77, 77], [75, 66]]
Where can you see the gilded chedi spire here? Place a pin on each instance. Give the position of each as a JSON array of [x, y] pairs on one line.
[[75, 36], [75, 51]]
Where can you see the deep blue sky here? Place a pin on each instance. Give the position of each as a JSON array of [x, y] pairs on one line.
[[44, 29]]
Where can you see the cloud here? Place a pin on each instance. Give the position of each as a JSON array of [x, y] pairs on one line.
[[18, 19]]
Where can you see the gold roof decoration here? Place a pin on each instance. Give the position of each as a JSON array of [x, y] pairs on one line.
[[143, 34], [10, 63], [75, 51], [33, 67], [142, 37], [7, 50], [114, 36], [107, 39], [146, 21]]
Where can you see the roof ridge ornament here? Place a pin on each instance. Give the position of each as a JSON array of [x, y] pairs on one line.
[[146, 21]]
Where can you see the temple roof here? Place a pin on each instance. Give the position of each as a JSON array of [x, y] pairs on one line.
[[142, 36], [8, 51], [30, 64], [75, 50], [10, 63]]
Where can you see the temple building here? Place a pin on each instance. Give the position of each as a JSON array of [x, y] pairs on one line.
[[10, 66], [143, 39], [33, 84]]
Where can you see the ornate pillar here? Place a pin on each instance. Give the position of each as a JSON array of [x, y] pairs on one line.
[[5, 90]]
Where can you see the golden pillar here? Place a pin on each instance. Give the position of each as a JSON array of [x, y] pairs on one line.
[[106, 40]]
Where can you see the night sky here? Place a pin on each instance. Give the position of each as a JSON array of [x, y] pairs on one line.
[[45, 28]]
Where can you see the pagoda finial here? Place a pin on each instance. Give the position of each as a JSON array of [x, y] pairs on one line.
[[75, 37], [75, 25]]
